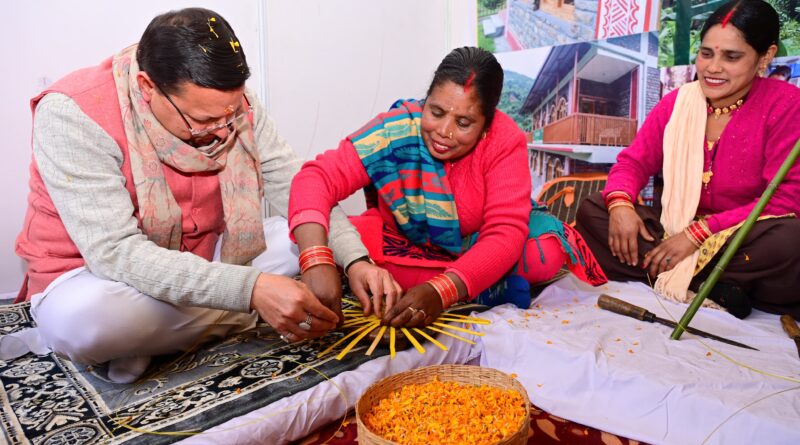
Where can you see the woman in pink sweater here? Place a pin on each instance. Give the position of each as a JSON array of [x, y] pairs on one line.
[[448, 191], [718, 142]]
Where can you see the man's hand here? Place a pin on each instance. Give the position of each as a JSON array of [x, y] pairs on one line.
[[624, 228], [367, 279], [285, 303], [326, 284], [419, 307]]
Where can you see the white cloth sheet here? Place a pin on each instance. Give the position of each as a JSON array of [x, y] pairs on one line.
[[627, 377], [296, 416]]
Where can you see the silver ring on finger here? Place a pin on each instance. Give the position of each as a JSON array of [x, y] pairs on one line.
[[286, 337], [424, 315], [413, 310], [305, 324]]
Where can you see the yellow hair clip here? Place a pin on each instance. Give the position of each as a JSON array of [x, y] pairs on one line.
[[211, 28], [234, 45]]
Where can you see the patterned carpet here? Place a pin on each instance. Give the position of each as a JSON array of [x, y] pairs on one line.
[[49, 400], [546, 429]]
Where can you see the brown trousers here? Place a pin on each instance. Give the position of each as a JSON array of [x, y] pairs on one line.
[[766, 266]]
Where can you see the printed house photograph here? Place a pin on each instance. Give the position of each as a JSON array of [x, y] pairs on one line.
[[585, 102], [511, 25]]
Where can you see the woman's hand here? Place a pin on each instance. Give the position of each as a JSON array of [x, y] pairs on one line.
[[326, 284], [290, 307], [624, 227], [419, 307], [367, 279], [667, 254]]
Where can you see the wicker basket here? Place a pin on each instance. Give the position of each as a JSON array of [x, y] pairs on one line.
[[465, 374]]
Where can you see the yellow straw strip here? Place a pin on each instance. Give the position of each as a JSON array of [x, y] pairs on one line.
[[456, 328], [413, 340], [392, 349], [341, 340], [445, 317], [352, 344], [450, 335], [376, 341], [430, 339], [465, 317], [356, 322]]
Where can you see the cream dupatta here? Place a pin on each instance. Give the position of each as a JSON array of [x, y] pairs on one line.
[[683, 171]]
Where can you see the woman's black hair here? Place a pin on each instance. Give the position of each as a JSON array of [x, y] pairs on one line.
[[192, 45], [477, 67], [756, 19]]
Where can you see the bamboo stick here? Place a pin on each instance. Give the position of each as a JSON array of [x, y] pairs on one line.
[[737, 241]]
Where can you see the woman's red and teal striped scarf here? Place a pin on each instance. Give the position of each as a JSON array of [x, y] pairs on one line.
[[408, 179]]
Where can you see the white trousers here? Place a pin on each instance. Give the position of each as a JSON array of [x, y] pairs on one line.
[[92, 320]]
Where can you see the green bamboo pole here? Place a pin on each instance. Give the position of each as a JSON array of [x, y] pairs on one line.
[[730, 251]]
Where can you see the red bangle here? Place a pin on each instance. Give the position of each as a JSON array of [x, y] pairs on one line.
[[697, 232], [315, 256], [446, 288]]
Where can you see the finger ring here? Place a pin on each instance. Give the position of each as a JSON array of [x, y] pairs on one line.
[[422, 311], [667, 260], [413, 310], [285, 338], [306, 324]]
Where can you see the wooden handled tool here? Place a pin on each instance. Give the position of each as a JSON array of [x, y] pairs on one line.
[[790, 326], [618, 306]]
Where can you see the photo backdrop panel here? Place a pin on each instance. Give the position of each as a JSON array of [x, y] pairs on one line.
[[513, 25], [617, 18], [682, 20], [580, 103]]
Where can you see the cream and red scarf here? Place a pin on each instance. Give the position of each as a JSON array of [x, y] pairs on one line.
[[683, 171], [150, 144]]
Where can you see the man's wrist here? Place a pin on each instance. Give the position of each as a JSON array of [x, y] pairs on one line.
[[357, 260]]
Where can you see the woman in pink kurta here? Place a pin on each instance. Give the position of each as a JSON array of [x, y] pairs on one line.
[[746, 128], [451, 214]]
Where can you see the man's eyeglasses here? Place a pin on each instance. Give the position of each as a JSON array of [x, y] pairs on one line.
[[229, 123]]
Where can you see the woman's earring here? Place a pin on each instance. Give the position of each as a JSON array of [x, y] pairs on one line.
[[484, 135], [762, 70]]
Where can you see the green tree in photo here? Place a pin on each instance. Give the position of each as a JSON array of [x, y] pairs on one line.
[[515, 89], [484, 42]]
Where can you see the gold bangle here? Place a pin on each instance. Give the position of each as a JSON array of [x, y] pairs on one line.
[[620, 203]]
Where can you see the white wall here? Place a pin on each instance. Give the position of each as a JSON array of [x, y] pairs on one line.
[[333, 65], [322, 67]]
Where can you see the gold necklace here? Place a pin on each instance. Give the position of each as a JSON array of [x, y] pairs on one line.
[[717, 112], [712, 147]]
